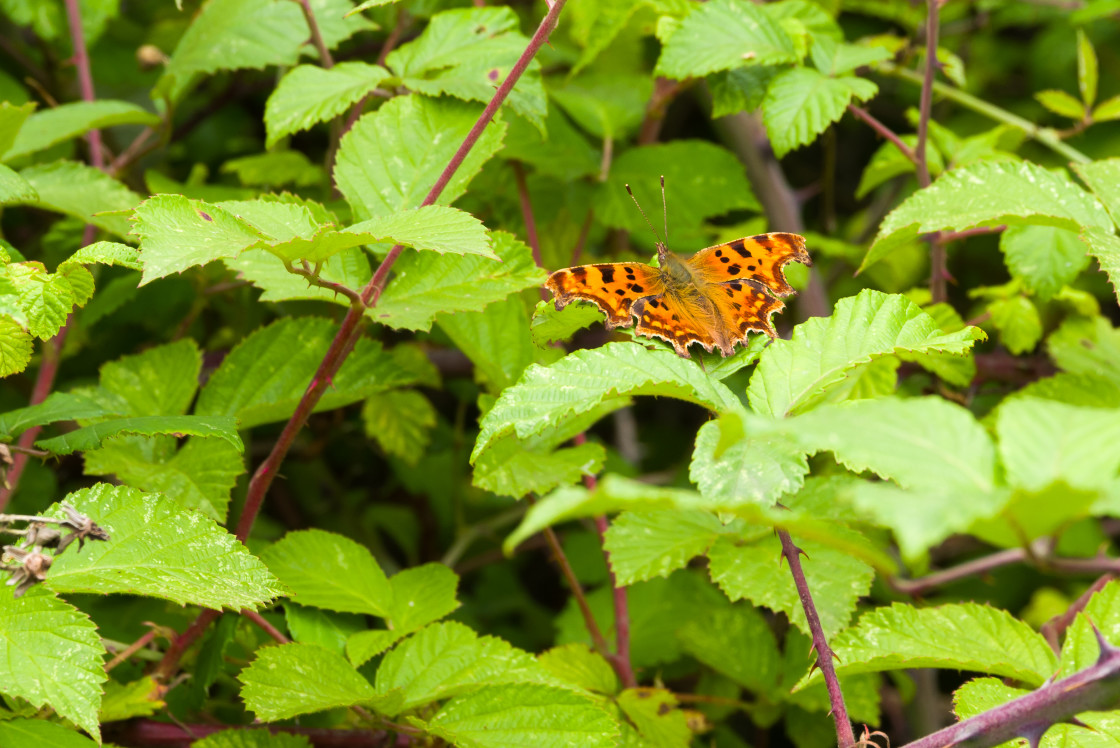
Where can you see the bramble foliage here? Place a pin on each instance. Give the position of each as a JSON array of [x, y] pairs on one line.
[[278, 253]]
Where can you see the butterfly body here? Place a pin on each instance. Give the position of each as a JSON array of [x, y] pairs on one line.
[[714, 298]]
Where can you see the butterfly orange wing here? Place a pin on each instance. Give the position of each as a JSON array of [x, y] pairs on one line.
[[744, 307], [758, 258], [613, 287], [681, 321]]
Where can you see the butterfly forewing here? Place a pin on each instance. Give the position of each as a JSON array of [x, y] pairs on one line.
[[758, 258], [613, 287]]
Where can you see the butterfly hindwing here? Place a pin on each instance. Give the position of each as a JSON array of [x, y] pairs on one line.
[[758, 258], [679, 323], [744, 307], [613, 287]]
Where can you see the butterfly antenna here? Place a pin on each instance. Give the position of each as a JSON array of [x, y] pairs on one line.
[[660, 244], [664, 209]]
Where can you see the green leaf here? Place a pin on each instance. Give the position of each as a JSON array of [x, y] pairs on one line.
[[177, 233], [934, 449], [158, 549], [432, 227], [751, 467], [740, 89], [293, 679], [159, 381], [266, 271], [1043, 441], [541, 716], [107, 253], [793, 375], [801, 103], [1103, 178], [565, 152], [702, 180], [1018, 322], [83, 192], [400, 421], [583, 380], [1060, 102], [1086, 69], [14, 189], [15, 347], [251, 738], [653, 711], [12, 118], [643, 545], [606, 105], [1087, 346], [510, 468], [52, 655], [888, 162], [91, 437], [448, 659], [199, 476], [59, 406], [1105, 246], [989, 193], [550, 324], [496, 340], [275, 169], [1044, 257], [737, 642], [467, 53], [230, 35], [45, 298], [309, 94], [1107, 110], [958, 637], [322, 627], [263, 378], [425, 285], [722, 35], [39, 732], [65, 121], [391, 158], [330, 571], [579, 665], [751, 571]]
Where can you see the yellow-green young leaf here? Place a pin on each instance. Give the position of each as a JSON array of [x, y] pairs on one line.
[[40, 732], [722, 35], [802, 102], [107, 253], [83, 192], [426, 284], [511, 467], [309, 94], [550, 324], [1103, 178], [1086, 69], [400, 421], [140, 698], [45, 299], [275, 169], [544, 717], [446, 659], [643, 545], [579, 665], [1087, 346], [1107, 110], [330, 571], [1018, 323], [431, 227], [1060, 102], [1045, 258], [585, 379], [467, 53], [1105, 246], [256, 738], [902, 636], [52, 656], [758, 467], [295, 678], [370, 4], [14, 189], [794, 375], [989, 193], [702, 180], [159, 549], [65, 121], [653, 712], [392, 157], [15, 347]]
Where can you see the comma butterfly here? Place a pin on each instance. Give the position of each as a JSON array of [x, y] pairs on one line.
[[714, 298]]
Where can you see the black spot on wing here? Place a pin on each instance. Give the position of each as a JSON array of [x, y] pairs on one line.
[[608, 274]]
